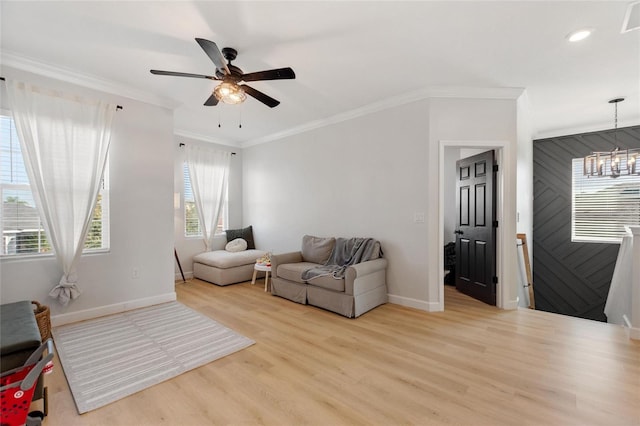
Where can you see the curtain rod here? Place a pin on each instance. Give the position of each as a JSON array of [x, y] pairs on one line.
[[181, 144], [117, 106]]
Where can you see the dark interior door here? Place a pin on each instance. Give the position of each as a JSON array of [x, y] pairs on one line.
[[475, 227]]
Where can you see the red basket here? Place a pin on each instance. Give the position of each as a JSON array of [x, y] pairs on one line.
[[17, 387]]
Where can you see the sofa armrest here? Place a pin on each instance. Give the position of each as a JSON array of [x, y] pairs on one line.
[[364, 276], [281, 259]]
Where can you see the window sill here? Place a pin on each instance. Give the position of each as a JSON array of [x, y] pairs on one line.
[[45, 256], [199, 237], [26, 257], [603, 241]]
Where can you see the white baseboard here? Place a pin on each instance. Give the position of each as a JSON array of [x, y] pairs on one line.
[[415, 303], [187, 276], [116, 308], [511, 304]]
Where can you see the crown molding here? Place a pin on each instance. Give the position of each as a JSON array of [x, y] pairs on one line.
[[204, 138], [13, 60], [578, 130], [418, 95]]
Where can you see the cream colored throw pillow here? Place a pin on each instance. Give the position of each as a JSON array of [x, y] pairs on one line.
[[236, 245], [317, 249]]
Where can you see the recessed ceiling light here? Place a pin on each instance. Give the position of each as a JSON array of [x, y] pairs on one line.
[[579, 35]]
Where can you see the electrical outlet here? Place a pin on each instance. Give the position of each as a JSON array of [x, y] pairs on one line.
[[135, 273], [418, 217]]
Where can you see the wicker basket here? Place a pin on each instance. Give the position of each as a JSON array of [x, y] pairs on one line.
[[43, 318]]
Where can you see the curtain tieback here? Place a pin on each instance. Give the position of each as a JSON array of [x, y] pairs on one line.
[[67, 289]]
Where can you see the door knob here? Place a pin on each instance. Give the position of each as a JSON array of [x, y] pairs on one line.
[[459, 232]]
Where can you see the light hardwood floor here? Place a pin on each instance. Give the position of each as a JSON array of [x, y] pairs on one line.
[[470, 365]]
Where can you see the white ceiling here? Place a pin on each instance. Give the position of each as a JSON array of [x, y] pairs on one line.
[[347, 56]]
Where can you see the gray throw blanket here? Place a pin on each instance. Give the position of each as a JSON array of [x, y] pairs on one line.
[[346, 252]]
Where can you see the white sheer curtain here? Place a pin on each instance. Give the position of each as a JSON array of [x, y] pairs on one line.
[[208, 172], [64, 143]]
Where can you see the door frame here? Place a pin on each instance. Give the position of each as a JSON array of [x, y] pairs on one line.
[[506, 290]]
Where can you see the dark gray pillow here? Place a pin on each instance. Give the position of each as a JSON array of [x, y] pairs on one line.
[[244, 233], [317, 249]]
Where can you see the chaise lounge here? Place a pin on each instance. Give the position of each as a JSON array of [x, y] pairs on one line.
[[232, 265]]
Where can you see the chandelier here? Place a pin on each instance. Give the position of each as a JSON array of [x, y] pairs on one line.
[[613, 163]]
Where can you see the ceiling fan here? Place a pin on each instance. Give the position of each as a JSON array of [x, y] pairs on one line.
[[232, 90]]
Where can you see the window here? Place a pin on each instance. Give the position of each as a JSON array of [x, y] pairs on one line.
[[601, 206], [20, 223], [191, 220]]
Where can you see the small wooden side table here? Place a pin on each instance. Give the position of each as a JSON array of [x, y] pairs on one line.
[[262, 267]]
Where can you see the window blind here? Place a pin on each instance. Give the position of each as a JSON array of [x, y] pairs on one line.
[[602, 206], [191, 220], [22, 229]]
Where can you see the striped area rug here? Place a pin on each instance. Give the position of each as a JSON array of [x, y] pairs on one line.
[[112, 357]]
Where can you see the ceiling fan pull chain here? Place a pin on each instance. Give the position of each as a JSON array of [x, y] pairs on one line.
[[240, 125], [219, 118]]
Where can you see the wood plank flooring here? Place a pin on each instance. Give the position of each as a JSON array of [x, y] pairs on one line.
[[470, 365]]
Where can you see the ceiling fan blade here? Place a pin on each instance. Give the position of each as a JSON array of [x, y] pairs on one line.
[[265, 99], [183, 74], [277, 74], [211, 101], [212, 51]]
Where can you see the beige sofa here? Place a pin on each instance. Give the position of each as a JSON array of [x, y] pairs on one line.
[[350, 288]]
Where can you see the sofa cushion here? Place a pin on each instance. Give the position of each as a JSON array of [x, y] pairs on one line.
[[236, 245], [225, 259], [293, 271], [317, 249], [20, 332], [328, 282], [244, 233], [19, 337]]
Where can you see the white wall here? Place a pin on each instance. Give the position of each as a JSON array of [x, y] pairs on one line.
[[479, 124], [189, 247], [525, 173], [370, 176], [141, 215], [365, 177]]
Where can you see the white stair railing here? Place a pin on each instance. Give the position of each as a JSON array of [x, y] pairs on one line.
[[634, 327], [623, 301]]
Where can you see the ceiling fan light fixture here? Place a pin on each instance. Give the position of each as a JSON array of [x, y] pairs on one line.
[[229, 93]]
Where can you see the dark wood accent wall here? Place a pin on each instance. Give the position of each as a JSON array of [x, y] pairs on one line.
[[569, 278]]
